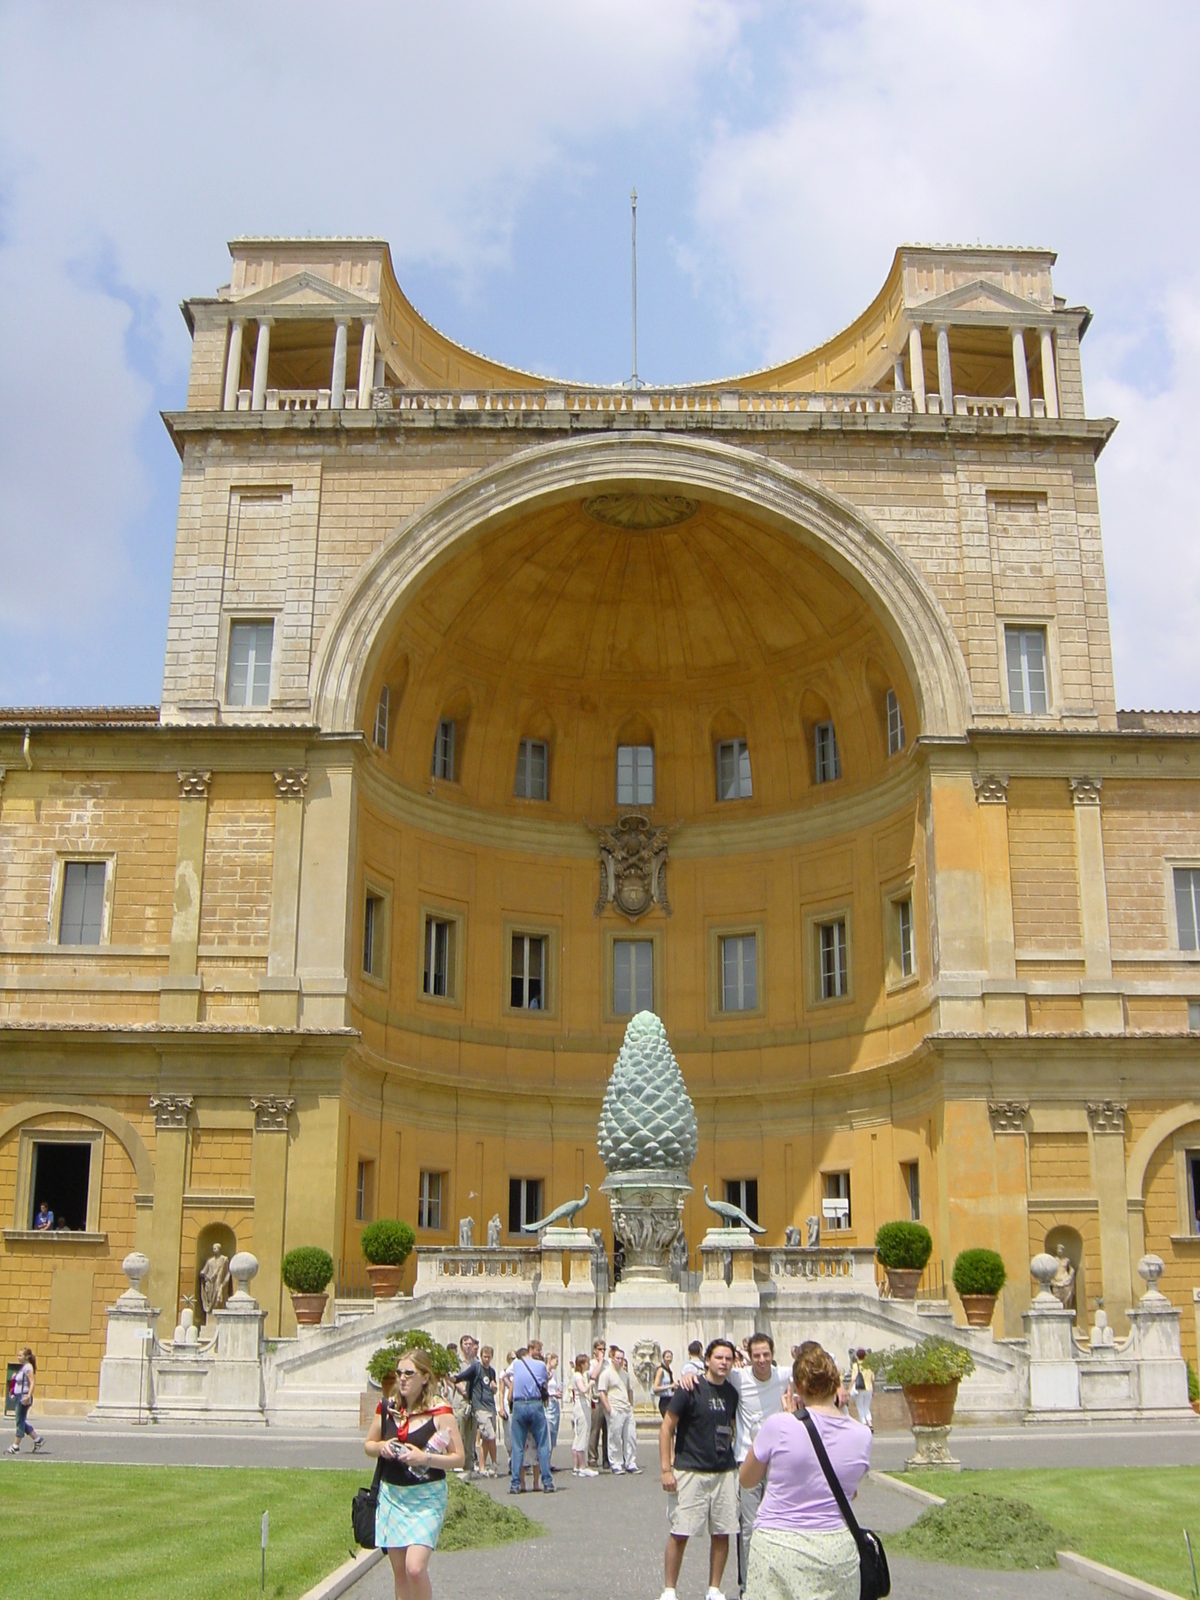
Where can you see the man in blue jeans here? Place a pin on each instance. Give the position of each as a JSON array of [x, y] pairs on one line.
[[529, 1415]]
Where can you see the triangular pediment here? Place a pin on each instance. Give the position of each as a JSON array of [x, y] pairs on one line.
[[305, 289], [984, 299]]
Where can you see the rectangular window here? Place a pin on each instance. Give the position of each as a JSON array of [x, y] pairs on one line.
[[364, 1192], [248, 682], [439, 957], [373, 935], [739, 973], [533, 768], [528, 972], [733, 770], [829, 763], [429, 1200], [635, 775], [524, 1202], [381, 719], [912, 1184], [82, 919], [904, 938], [895, 724], [633, 976], [1194, 1015], [443, 750], [1025, 649], [58, 1194], [835, 1207], [743, 1192], [834, 971], [1187, 907]]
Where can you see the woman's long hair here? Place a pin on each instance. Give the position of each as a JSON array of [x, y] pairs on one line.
[[30, 1357], [815, 1373], [420, 1360]]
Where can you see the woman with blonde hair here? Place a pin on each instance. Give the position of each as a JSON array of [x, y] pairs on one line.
[[802, 1548], [416, 1441], [581, 1418]]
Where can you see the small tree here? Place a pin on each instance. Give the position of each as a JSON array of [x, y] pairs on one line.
[[307, 1269], [442, 1360], [906, 1245], [936, 1361], [387, 1243], [979, 1272]]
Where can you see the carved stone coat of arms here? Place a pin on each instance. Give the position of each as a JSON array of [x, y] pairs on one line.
[[633, 866]]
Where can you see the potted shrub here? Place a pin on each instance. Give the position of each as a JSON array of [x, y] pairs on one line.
[[306, 1272], [443, 1361], [386, 1245], [903, 1249], [979, 1277], [929, 1374], [1193, 1388]]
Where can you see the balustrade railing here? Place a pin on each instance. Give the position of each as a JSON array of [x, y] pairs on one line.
[[478, 1262], [827, 1265]]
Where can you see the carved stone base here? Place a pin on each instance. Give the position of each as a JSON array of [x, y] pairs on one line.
[[647, 1213], [932, 1450]]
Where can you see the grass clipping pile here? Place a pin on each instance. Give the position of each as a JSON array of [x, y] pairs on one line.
[[981, 1530], [474, 1520]]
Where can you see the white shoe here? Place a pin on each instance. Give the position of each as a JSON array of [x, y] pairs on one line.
[[633, 1469], [588, 1472], [714, 1594], [617, 1472], [668, 1594]]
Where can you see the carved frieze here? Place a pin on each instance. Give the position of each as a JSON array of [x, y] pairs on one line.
[[1008, 1116], [290, 785], [633, 866], [271, 1112], [991, 789], [1086, 791], [1107, 1116], [194, 785], [171, 1110]]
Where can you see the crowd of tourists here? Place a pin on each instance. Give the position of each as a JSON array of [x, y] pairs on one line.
[[751, 1452]]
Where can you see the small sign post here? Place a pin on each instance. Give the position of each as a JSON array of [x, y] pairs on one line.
[[265, 1522]]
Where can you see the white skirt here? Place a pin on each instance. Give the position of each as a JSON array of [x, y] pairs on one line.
[[802, 1565]]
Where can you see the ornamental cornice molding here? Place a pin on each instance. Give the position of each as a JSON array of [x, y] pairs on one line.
[[1107, 1116], [1086, 791]]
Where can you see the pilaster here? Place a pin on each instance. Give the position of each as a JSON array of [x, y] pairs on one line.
[[1002, 1012], [1106, 1119], [957, 900], [179, 997], [268, 1181], [172, 1115], [1103, 1008], [279, 991]]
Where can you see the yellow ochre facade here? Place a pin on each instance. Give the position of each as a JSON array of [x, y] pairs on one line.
[[328, 935]]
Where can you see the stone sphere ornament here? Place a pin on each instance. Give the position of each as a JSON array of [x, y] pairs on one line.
[[241, 1269], [647, 1120], [135, 1266], [1150, 1270], [1044, 1268]]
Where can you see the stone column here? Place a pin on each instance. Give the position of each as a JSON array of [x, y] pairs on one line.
[[366, 363], [945, 379], [337, 386], [179, 997], [233, 364], [172, 1113], [279, 991], [1020, 372], [916, 368], [268, 1182], [262, 356], [1053, 1373], [1106, 1118], [1103, 1008], [1049, 377]]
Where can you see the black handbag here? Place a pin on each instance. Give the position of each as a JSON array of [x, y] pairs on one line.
[[362, 1512], [875, 1580]]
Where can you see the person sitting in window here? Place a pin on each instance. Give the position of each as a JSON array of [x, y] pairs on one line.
[[62, 1226], [44, 1218]]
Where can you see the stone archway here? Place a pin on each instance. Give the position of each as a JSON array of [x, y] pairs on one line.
[[823, 522]]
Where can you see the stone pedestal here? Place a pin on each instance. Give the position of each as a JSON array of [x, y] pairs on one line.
[[733, 1305], [126, 1386], [236, 1385], [933, 1451], [647, 1213], [1053, 1372], [1160, 1374]]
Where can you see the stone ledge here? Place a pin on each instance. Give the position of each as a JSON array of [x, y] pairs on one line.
[[219, 1199], [52, 1236], [1112, 1580]]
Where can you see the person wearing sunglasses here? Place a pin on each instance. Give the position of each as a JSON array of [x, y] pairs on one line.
[[416, 1441]]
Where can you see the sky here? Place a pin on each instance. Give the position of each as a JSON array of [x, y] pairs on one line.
[[781, 151]]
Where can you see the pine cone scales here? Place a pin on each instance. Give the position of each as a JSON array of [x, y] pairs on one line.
[[647, 1119]]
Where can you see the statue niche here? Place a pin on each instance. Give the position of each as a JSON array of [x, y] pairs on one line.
[[216, 1246]]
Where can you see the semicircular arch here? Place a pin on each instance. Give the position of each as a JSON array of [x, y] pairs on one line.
[[1156, 1134], [121, 1129], [831, 527]]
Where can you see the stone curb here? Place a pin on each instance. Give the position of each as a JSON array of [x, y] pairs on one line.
[[1109, 1578], [909, 1489], [347, 1575]]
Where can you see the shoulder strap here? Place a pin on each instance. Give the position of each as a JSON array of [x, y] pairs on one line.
[[831, 1477]]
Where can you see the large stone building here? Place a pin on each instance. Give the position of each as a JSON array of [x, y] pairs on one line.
[[495, 709]]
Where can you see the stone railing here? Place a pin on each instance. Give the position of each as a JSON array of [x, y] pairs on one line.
[[513, 1264], [823, 1268], [974, 405]]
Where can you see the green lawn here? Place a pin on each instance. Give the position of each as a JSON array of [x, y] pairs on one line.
[[1131, 1518], [73, 1532]]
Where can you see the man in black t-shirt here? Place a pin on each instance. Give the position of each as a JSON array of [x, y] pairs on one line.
[[695, 1448]]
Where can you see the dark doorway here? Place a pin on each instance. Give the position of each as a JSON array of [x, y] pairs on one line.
[[60, 1178]]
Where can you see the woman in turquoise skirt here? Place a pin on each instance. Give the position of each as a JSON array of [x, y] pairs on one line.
[[416, 1440]]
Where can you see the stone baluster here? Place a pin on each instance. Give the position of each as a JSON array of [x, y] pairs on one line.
[[1020, 372], [337, 387], [1049, 377], [233, 364], [945, 379], [916, 368], [262, 355]]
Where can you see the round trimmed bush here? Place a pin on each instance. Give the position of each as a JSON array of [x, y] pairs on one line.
[[904, 1244], [387, 1243], [307, 1269], [978, 1272]]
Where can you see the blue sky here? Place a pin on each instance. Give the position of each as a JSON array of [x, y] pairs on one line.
[[780, 152]]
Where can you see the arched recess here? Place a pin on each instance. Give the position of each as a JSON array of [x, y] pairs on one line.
[[123, 1131], [1159, 1130], [1072, 1241], [886, 579]]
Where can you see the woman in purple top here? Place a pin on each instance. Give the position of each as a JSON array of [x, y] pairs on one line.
[[802, 1549]]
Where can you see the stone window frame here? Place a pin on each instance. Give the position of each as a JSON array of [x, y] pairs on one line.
[[58, 873], [24, 1198], [740, 745], [533, 928], [611, 935], [718, 931], [374, 888], [272, 613], [526, 742], [1037, 615], [364, 1189], [444, 1207], [827, 1224], [893, 893], [831, 911], [443, 911], [897, 733], [1185, 1149], [1170, 865]]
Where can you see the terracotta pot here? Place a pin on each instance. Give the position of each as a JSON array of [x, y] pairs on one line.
[[979, 1309], [385, 1281], [903, 1281], [309, 1308], [931, 1405], [1195, 1405]]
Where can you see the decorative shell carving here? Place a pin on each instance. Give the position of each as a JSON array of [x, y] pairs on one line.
[[647, 1119]]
